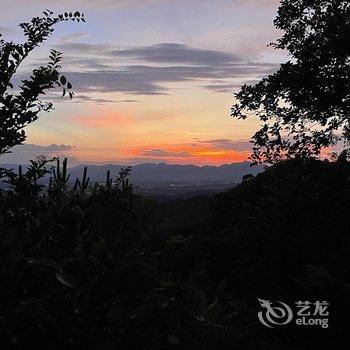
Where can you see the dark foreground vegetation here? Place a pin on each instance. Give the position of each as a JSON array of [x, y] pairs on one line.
[[108, 270]]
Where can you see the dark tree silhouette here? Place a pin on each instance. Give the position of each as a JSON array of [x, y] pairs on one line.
[[20, 108], [305, 105]]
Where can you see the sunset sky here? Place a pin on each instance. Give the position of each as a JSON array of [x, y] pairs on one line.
[[153, 79]]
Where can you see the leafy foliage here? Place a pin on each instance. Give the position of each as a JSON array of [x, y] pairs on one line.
[[67, 261], [283, 235], [101, 267], [305, 105], [17, 110], [80, 268]]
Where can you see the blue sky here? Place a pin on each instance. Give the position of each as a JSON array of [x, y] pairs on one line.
[[153, 80]]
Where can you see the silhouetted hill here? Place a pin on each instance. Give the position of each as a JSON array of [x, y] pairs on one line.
[[164, 181], [156, 174]]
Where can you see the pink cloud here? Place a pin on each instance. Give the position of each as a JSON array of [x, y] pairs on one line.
[[105, 120]]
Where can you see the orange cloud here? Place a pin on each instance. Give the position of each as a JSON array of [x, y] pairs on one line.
[[188, 154], [210, 153], [104, 120]]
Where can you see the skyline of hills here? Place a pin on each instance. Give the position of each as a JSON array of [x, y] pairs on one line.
[[164, 181], [158, 173]]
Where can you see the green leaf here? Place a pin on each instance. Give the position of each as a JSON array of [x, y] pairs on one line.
[[67, 280], [48, 263], [213, 312], [20, 50], [199, 302], [32, 261], [172, 339], [15, 56], [63, 80], [28, 301], [70, 261]]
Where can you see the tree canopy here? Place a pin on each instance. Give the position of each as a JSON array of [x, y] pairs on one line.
[[20, 107], [305, 106]]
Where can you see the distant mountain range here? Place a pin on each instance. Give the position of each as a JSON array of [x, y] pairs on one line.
[[150, 174], [166, 182]]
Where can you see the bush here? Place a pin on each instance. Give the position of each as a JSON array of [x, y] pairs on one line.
[[75, 267], [95, 267]]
